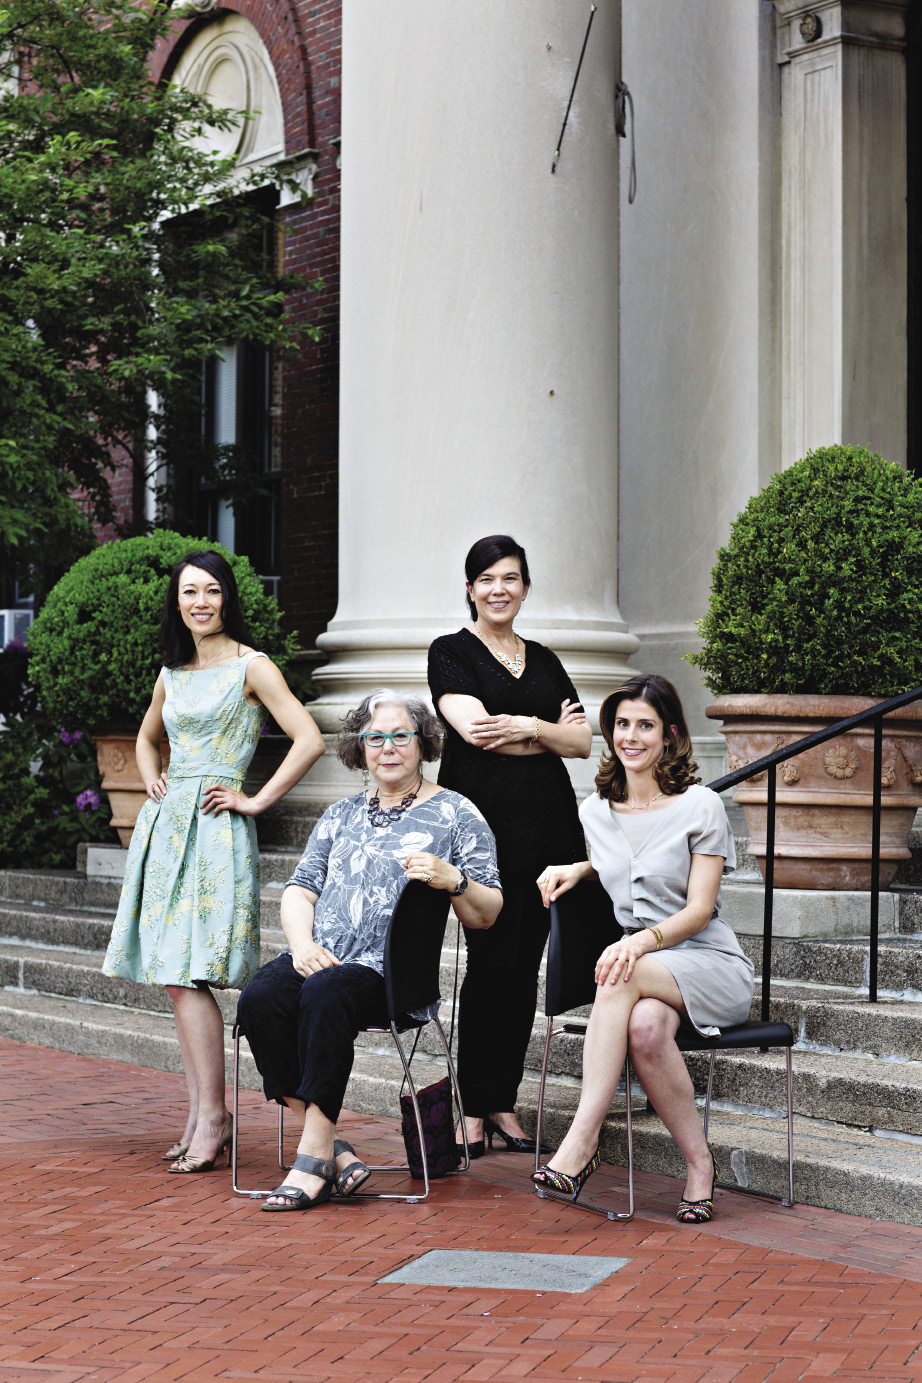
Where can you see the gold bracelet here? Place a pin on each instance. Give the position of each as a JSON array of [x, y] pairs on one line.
[[659, 937], [537, 731]]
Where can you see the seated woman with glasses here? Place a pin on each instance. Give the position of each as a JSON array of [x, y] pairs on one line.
[[301, 1013]]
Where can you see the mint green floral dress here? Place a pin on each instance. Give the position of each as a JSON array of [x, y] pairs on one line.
[[189, 909]]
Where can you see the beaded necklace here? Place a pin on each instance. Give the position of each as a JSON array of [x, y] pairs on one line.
[[386, 816], [515, 664]]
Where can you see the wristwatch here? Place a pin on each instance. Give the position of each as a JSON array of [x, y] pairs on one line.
[[462, 888]]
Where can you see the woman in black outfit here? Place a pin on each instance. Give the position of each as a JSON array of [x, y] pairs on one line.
[[511, 715]]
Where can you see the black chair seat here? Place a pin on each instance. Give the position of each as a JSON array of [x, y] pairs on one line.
[[754, 1034]]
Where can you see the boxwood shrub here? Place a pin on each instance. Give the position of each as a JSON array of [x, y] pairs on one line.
[[94, 652], [820, 587]]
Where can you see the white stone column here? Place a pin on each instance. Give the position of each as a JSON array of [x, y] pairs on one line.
[[479, 334], [843, 190]]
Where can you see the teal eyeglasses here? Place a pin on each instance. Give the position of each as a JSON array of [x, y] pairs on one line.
[[398, 738]]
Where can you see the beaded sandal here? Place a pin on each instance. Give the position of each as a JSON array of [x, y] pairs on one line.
[[562, 1182], [699, 1212]]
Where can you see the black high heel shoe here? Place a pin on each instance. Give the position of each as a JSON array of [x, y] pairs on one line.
[[475, 1148], [562, 1182], [513, 1144]]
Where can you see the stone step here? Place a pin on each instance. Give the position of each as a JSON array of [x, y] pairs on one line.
[[833, 1019], [865, 1091], [835, 1166], [845, 962], [68, 889]]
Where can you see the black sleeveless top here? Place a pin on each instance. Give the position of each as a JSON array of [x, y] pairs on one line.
[[528, 800]]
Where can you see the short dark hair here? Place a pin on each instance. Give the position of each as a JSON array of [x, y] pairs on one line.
[[350, 748], [175, 639], [676, 769], [484, 553]]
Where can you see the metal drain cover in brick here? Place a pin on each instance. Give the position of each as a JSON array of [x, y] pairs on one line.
[[526, 1272]]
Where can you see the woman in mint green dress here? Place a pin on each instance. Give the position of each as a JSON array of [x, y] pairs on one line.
[[188, 917]]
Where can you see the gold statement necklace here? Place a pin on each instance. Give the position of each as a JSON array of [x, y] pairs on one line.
[[515, 664]]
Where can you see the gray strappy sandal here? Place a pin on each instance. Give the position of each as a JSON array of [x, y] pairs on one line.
[[300, 1199], [356, 1170]]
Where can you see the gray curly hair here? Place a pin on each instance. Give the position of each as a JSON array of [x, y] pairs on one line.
[[349, 746]]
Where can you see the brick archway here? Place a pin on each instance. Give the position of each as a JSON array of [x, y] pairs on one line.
[[279, 26]]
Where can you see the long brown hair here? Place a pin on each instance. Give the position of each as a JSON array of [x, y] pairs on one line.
[[676, 769]]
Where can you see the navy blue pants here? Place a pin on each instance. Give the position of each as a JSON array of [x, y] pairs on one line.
[[302, 1031]]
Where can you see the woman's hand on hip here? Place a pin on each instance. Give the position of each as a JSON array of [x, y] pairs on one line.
[[491, 732], [219, 798], [618, 960], [156, 790], [309, 958], [556, 879], [431, 870]]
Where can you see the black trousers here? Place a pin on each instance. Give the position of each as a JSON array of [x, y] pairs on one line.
[[498, 999], [302, 1031]]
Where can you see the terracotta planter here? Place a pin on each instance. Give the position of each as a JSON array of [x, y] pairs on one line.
[[823, 805], [115, 757]]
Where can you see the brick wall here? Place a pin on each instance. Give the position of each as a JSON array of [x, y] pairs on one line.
[[303, 38]]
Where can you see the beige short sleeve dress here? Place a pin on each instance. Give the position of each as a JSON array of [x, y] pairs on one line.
[[648, 884]]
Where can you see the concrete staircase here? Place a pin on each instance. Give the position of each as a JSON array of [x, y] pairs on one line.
[[857, 1067]]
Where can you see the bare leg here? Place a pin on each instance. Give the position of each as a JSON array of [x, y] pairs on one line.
[[664, 1076], [603, 1056], [199, 1020], [474, 1129], [316, 1141], [191, 1083]]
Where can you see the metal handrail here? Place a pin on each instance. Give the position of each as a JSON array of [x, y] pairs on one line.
[[777, 756]]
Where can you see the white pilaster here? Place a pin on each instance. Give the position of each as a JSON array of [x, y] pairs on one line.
[[479, 332], [843, 176]]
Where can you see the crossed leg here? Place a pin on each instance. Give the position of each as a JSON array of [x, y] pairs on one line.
[[649, 1006]]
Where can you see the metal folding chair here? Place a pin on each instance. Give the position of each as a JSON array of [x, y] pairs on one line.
[[412, 957], [582, 925]]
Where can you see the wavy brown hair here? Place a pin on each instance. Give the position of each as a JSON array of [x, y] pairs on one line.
[[676, 769]]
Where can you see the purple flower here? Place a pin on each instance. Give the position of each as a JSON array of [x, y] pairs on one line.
[[88, 801], [71, 736], [54, 812], [15, 646]]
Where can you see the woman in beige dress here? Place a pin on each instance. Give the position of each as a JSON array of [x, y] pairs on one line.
[[660, 843]]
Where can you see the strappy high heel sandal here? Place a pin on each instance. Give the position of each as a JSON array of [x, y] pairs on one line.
[[299, 1199], [185, 1163], [177, 1150], [562, 1182], [699, 1212], [352, 1177]]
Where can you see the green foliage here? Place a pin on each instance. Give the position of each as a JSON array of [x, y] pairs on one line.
[[94, 650], [48, 811], [819, 589], [130, 254]]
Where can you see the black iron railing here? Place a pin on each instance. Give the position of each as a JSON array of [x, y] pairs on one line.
[[778, 756]]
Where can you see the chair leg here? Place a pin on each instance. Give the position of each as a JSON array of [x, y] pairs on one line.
[[790, 1102], [707, 1098], [402, 1167], [252, 1194], [457, 1091], [540, 1128], [546, 1193]]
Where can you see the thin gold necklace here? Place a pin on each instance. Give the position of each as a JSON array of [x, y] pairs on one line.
[[642, 807]]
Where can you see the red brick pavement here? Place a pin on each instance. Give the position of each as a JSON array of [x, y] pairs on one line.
[[110, 1269]]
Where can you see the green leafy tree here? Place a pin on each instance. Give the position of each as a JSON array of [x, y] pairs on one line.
[[129, 254]]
